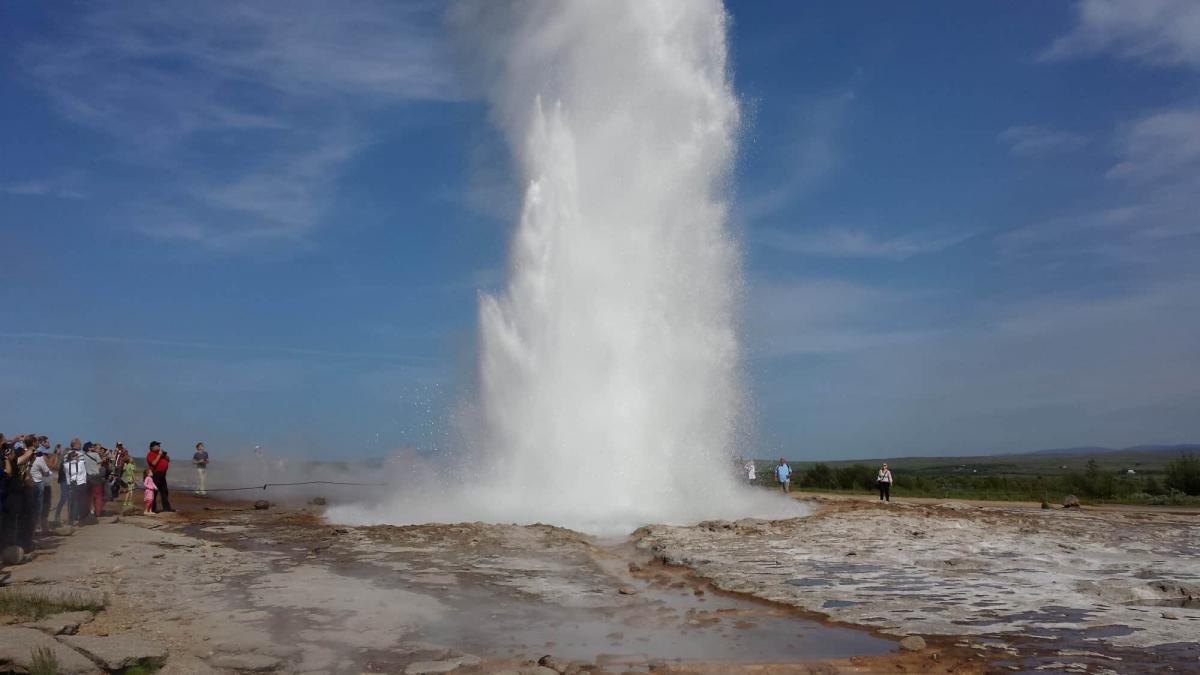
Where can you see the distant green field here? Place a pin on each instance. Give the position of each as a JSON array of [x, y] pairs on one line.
[[1160, 475]]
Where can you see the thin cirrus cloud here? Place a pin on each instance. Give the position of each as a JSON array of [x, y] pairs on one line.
[[1032, 141], [1161, 32], [39, 188], [1154, 194], [182, 88], [838, 242]]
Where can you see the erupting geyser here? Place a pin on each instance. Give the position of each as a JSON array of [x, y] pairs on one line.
[[609, 365]]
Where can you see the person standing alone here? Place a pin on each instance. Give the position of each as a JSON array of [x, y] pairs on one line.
[[783, 473], [884, 482], [200, 459], [158, 461]]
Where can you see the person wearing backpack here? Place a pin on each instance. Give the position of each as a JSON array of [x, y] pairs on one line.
[[158, 461], [93, 467]]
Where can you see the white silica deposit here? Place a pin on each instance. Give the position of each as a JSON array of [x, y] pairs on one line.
[[609, 365], [1068, 579]]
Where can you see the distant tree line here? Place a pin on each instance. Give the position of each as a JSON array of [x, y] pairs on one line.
[[1180, 478]]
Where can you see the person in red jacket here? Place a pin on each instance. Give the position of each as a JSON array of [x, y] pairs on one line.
[[158, 461]]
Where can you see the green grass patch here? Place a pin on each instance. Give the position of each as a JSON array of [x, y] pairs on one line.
[[36, 604], [43, 662]]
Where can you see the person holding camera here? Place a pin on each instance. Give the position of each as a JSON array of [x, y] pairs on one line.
[[93, 464], [884, 482], [77, 487], [157, 461], [40, 474]]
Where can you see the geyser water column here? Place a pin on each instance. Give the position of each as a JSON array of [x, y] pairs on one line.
[[610, 392], [610, 364]]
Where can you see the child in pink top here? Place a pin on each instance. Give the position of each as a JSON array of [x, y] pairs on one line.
[[148, 497]]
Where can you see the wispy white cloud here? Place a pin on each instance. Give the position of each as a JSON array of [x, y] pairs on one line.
[[839, 242], [1162, 32], [204, 346], [805, 162], [234, 104], [1030, 141], [1153, 197], [1163, 145], [799, 317], [39, 188]]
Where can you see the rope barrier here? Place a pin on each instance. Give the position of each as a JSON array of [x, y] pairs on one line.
[[264, 486], [308, 482]]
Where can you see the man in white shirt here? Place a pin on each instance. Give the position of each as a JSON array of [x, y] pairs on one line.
[[40, 474], [77, 482]]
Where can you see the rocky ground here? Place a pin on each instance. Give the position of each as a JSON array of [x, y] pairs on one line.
[[225, 587]]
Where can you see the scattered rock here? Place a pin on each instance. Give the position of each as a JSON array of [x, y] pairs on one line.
[[12, 555], [1070, 502], [262, 505], [913, 643], [18, 644], [1168, 615], [63, 531], [65, 623], [119, 652], [253, 662], [627, 590], [115, 519], [557, 665], [317, 501]]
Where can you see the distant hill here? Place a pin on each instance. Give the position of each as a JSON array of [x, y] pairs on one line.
[[1082, 450], [1097, 450]]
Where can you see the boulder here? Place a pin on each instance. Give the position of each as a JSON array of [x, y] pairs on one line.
[[1070, 502], [1045, 505], [18, 644], [627, 590], [913, 643], [118, 652], [262, 505], [317, 501], [64, 623]]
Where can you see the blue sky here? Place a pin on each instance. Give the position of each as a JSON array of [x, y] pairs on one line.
[[968, 228]]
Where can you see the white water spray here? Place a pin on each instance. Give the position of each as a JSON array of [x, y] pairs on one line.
[[609, 366]]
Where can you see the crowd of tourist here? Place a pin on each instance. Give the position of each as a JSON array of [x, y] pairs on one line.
[[88, 477]]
